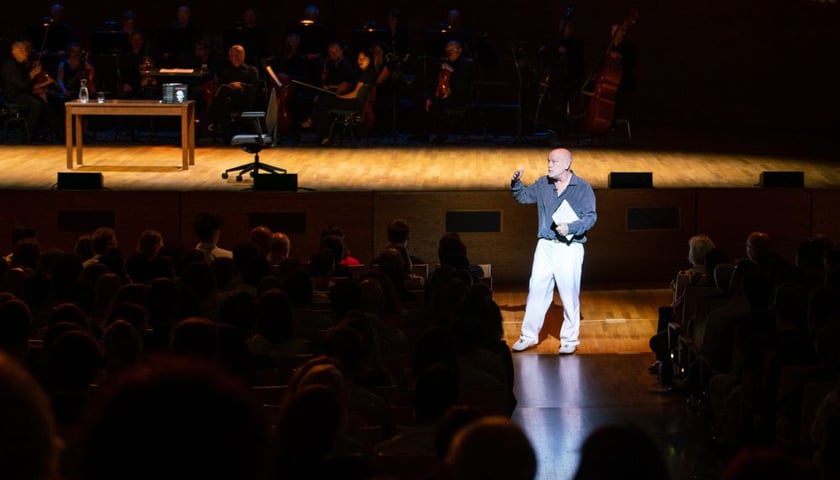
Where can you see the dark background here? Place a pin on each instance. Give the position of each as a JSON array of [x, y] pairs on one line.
[[768, 64]]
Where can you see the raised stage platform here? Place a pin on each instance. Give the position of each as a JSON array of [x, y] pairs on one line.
[[676, 157]]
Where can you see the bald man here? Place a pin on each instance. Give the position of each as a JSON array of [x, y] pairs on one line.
[[566, 211]]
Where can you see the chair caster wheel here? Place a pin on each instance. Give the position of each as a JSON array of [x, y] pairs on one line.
[[239, 178], [225, 176], [252, 174]]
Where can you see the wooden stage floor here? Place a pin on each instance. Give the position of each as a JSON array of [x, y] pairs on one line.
[[677, 158]]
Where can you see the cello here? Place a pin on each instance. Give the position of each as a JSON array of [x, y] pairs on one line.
[[605, 81], [283, 93]]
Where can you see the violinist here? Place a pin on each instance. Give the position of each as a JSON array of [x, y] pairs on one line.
[[74, 69], [453, 91], [18, 86]]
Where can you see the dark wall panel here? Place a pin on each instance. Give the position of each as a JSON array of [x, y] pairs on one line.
[[824, 213], [617, 253], [131, 212], [728, 216], [350, 211]]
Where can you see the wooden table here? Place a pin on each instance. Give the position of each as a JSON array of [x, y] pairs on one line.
[[75, 110]]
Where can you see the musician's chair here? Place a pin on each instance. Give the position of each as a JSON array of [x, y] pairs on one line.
[[352, 120]]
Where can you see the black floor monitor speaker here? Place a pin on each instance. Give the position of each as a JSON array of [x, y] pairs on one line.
[[285, 182], [630, 180], [782, 179], [79, 181]]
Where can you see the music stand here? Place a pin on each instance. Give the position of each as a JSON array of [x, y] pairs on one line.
[[397, 76], [105, 42]]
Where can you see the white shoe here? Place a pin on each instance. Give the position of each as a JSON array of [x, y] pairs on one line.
[[567, 348], [523, 344]]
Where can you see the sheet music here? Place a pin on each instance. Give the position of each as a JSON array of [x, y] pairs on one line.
[[176, 70], [564, 214]]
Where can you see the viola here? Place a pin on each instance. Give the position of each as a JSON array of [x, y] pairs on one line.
[[444, 89], [42, 81]]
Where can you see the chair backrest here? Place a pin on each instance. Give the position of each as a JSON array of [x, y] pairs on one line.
[[271, 116], [364, 93]]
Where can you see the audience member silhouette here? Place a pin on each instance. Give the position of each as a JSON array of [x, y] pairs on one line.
[[620, 451], [29, 444], [492, 448], [183, 418]]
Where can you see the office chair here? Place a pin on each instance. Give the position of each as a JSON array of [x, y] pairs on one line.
[[255, 142]]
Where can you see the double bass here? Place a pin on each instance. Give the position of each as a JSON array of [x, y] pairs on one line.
[[603, 84]]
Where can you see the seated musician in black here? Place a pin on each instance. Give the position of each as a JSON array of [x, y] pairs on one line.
[[133, 62], [291, 62], [338, 73], [290, 65], [238, 84], [353, 99], [453, 92], [18, 85]]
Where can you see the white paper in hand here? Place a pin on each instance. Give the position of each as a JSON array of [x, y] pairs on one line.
[[565, 214]]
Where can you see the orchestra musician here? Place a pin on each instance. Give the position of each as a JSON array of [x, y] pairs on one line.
[[291, 61], [291, 64], [18, 86], [623, 52], [561, 71], [453, 90], [72, 70], [53, 31], [398, 37], [344, 101], [338, 72], [238, 85], [385, 84], [132, 64]]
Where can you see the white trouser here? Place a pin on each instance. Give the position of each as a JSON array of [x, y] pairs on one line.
[[557, 264]]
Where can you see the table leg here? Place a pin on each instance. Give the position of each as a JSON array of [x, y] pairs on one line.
[[191, 128], [79, 138], [185, 139], [68, 137]]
